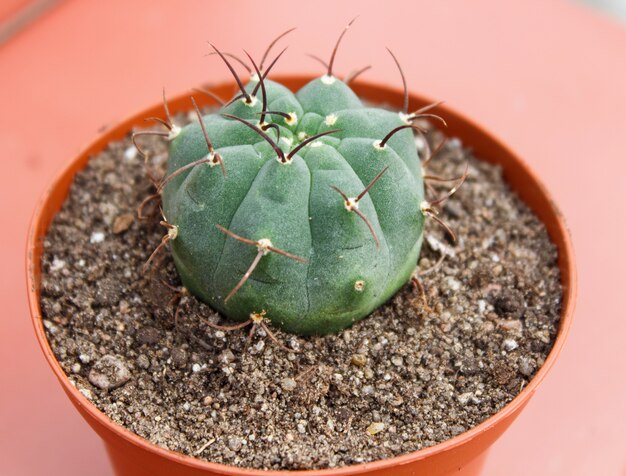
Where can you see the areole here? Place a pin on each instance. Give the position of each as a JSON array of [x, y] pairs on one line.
[[462, 455]]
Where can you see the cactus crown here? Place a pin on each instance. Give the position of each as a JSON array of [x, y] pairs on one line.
[[306, 208]]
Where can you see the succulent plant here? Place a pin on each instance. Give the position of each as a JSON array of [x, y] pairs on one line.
[[307, 208]]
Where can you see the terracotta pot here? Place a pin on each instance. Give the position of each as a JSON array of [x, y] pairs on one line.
[[461, 455]]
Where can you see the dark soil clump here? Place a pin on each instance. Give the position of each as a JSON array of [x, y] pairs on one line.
[[404, 378]]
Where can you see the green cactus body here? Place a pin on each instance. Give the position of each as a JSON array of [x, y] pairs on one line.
[[346, 275]]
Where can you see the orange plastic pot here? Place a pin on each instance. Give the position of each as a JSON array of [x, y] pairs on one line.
[[464, 454]]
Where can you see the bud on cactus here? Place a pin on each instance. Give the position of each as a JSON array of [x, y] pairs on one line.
[[306, 207]]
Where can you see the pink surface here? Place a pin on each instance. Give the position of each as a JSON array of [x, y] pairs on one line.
[[8, 8], [546, 76]]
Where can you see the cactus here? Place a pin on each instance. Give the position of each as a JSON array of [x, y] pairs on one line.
[[308, 208]]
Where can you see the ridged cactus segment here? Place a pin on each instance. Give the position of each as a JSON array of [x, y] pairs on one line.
[[339, 261], [275, 208], [207, 196], [327, 95]]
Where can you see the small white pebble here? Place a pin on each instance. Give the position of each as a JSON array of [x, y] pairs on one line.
[[455, 143], [375, 428], [186, 406], [465, 398], [487, 242], [288, 384], [294, 344], [526, 366], [302, 426], [437, 245], [76, 368], [196, 368], [220, 334], [420, 143], [543, 336], [453, 283], [130, 153], [57, 264], [227, 356], [84, 358], [96, 237], [235, 443], [482, 305], [86, 393], [509, 344], [159, 159], [397, 361]]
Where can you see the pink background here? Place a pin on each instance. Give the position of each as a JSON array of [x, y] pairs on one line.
[[547, 77]]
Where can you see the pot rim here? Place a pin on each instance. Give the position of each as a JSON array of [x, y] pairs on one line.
[[39, 226]]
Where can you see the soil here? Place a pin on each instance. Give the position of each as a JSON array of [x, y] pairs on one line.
[[406, 377]]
